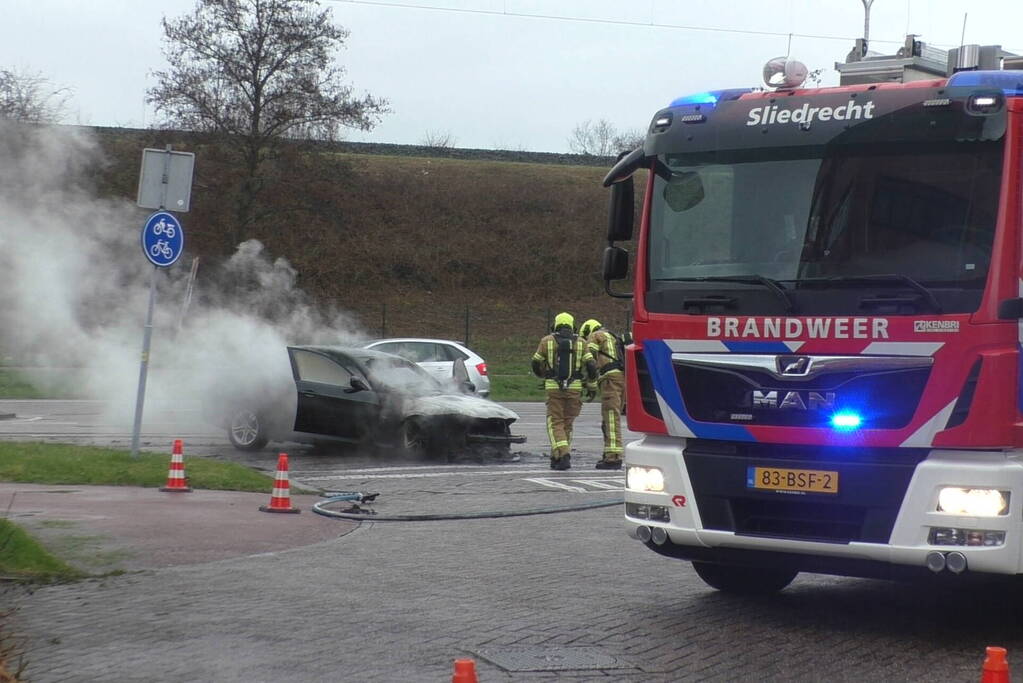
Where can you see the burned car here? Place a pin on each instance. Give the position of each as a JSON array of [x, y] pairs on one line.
[[371, 399]]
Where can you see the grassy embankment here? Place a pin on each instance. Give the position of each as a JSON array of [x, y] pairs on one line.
[[22, 557], [407, 245], [14, 385]]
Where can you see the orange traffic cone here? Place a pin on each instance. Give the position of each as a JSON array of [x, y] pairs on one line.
[[280, 499], [465, 671], [176, 480], [996, 669]]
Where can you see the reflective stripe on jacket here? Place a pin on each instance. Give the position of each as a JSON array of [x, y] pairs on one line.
[[604, 348]]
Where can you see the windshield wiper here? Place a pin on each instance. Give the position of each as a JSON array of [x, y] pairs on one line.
[[773, 285], [927, 294]]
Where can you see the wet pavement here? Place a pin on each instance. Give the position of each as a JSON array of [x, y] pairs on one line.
[[216, 590]]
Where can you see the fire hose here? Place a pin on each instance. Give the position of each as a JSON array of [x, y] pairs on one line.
[[360, 513]]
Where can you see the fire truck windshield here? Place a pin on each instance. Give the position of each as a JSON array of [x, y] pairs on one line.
[[926, 211]]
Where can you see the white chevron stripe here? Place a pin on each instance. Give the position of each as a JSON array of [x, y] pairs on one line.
[[925, 435], [696, 345], [902, 348]]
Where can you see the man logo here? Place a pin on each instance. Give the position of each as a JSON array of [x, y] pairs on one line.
[[794, 365]]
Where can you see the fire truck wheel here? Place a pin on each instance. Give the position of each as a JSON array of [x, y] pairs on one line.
[[731, 578]]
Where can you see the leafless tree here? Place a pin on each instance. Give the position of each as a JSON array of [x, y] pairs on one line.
[[439, 138], [602, 139], [31, 97], [258, 71]]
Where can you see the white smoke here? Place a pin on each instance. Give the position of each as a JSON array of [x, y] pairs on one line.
[[74, 289]]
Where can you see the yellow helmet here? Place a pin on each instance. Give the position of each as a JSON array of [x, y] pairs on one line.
[[589, 326], [564, 320]]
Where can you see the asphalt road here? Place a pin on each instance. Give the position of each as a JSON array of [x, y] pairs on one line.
[[540, 597]]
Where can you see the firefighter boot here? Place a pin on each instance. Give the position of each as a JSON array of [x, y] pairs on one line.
[[607, 464], [562, 463]]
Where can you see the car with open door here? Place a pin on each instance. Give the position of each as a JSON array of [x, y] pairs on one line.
[[368, 398]]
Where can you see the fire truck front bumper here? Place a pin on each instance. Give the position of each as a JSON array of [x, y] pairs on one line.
[[937, 511]]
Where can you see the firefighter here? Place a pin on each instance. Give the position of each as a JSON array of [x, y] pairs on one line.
[[565, 364], [607, 350]]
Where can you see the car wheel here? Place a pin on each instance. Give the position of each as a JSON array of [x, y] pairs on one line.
[[246, 431], [415, 439], [730, 578]]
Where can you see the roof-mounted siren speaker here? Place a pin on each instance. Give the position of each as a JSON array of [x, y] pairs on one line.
[[784, 73], [967, 58]]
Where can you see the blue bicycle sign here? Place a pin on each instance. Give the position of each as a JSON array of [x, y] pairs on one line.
[[163, 240]]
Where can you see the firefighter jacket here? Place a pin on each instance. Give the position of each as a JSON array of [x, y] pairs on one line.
[[582, 367], [607, 352]]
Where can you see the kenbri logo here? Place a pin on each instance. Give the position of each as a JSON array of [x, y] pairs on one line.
[[771, 114]]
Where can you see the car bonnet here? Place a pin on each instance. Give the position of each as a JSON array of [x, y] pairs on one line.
[[458, 404]]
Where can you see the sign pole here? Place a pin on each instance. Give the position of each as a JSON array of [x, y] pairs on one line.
[[147, 338], [165, 179]]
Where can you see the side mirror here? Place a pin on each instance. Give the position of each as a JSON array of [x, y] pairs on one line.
[[356, 384], [621, 211], [616, 264]]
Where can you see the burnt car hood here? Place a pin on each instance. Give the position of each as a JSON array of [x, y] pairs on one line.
[[461, 405]]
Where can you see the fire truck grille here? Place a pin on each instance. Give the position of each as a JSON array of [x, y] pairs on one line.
[[887, 400], [871, 484]]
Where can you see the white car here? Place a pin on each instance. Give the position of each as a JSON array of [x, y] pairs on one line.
[[437, 356]]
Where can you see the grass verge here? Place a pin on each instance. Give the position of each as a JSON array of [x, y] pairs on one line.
[[22, 558], [40, 463]]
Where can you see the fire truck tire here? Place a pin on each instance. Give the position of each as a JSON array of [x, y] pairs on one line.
[[730, 578]]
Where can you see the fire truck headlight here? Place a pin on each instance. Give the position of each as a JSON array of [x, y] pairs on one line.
[[973, 502], [647, 479]]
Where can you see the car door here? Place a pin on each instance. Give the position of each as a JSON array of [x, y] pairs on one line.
[[328, 404]]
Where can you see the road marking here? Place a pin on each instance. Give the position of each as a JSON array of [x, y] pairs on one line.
[[554, 484], [417, 475], [614, 484], [404, 468]]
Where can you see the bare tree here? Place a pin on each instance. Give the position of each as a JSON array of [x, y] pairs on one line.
[[602, 139], [628, 140], [31, 97], [438, 138], [258, 71]]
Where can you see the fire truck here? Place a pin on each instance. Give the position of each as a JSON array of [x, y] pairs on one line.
[[827, 300]]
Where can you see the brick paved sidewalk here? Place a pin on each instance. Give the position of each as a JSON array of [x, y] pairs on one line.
[[105, 528]]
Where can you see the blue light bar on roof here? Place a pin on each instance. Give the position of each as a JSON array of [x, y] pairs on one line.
[[711, 97], [1009, 82]]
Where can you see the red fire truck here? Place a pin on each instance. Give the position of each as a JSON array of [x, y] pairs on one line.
[[827, 303]]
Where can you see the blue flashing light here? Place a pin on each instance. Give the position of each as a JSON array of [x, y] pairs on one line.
[[846, 421], [711, 97], [697, 98], [1009, 82]]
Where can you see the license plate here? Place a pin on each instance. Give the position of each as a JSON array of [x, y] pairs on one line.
[[780, 479]]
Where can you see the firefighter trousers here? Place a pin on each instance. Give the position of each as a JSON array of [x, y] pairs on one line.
[[612, 389], [563, 406]]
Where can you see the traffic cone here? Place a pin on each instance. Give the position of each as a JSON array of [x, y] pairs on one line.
[[176, 480], [996, 669], [465, 671], [280, 499]]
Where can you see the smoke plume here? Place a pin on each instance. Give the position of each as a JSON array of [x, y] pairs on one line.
[[74, 289]]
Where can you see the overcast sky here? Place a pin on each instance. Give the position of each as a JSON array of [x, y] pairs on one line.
[[507, 74]]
